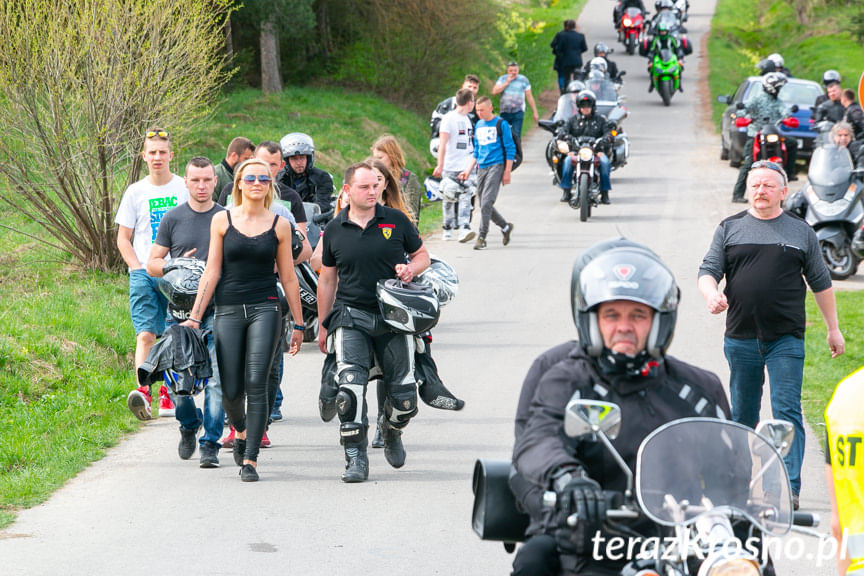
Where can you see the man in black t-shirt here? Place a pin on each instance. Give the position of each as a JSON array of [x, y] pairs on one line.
[[765, 253], [367, 242], [185, 232]]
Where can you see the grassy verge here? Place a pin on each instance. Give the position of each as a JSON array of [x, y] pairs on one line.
[[821, 372], [745, 31]]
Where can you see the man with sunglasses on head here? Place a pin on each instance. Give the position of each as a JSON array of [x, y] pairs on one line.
[[765, 254], [141, 210]]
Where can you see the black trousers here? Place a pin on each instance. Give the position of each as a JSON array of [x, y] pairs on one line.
[[246, 339]]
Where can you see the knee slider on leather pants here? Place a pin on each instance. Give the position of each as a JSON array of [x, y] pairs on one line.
[[401, 405]]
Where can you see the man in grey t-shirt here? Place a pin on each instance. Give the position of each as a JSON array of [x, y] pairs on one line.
[[765, 254]]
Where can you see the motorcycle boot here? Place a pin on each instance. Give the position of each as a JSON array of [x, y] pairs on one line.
[[356, 465], [604, 197], [394, 451], [565, 196]]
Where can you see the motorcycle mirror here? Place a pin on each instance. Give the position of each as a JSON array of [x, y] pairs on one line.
[[723, 99], [794, 108], [740, 106], [584, 417], [622, 73], [779, 432]]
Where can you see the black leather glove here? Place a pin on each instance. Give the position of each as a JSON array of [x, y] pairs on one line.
[[583, 497]]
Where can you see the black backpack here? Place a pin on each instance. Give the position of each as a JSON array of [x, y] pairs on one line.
[[517, 160]]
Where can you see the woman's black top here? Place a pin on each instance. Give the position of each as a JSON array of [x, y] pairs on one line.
[[247, 267]]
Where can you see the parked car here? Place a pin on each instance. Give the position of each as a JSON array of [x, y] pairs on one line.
[[796, 91]]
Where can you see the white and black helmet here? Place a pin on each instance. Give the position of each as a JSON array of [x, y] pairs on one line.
[[773, 82], [830, 77], [629, 272], [407, 307], [598, 63], [777, 59], [298, 144], [179, 285], [442, 278]]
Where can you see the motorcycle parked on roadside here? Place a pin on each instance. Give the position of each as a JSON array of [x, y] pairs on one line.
[[831, 203], [714, 488]]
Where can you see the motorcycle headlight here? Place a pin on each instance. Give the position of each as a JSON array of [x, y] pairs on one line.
[[734, 567], [627, 22], [586, 154], [831, 208], [563, 147], [772, 138]]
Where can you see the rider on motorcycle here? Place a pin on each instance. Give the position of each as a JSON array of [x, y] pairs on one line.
[[827, 106], [600, 52], [663, 40], [624, 303], [765, 109], [312, 184], [773, 63], [621, 6], [587, 123]]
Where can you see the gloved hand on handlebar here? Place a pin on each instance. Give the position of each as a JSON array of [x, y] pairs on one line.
[[582, 496]]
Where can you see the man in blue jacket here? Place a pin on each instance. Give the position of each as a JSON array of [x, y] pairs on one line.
[[494, 151]]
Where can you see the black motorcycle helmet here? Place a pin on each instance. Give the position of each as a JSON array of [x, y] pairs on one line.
[[773, 82], [600, 48], [628, 272], [179, 285], [407, 307], [298, 144], [586, 98], [831, 77]]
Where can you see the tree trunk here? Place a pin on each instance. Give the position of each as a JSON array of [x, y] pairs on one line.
[[271, 74], [229, 42]]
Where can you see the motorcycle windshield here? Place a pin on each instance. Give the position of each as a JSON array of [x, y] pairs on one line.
[[605, 92], [633, 12], [669, 18], [830, 167], [692, 466], [667, 58], [566, 108]]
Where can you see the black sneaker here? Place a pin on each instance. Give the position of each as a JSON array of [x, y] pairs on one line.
[[377, 441], [565, 196], [248, 473], [239, 450], [209, 455], [186, 448], [506, 231], [394, 452], [356, 467]]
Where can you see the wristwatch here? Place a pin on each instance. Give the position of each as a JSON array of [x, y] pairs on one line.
[[300, 327]]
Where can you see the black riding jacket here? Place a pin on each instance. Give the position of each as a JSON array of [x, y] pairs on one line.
[[314, 185], [669, 390], [595, 126]]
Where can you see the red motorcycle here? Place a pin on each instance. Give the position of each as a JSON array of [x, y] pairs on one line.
[[769, 143], [630, 28]]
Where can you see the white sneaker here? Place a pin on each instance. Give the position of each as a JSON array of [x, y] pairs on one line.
[[447, 235], [466, 235]]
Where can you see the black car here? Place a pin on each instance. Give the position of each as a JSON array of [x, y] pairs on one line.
[[796, 91]]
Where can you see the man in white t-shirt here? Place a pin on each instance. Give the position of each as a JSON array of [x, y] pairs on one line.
[[141, 210], [455, 155]]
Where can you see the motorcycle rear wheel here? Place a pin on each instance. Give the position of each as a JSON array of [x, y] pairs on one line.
[[666, 91], [584, 200], [841, 263]]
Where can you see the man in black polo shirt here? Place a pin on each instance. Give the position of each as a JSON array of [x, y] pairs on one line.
[[765, 253], [367, 242]]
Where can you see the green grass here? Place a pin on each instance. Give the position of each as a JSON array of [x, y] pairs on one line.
[[821, 372], [745, 31]]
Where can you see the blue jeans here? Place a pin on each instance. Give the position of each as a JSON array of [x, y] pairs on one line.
[[784, 359], [213, 417], [567, 173], [515, 121]]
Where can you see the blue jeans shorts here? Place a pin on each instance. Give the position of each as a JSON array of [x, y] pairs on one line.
[[146, 304]]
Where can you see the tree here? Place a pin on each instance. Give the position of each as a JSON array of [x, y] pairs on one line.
[[80, 83]]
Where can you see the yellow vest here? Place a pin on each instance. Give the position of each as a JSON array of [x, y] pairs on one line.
[[844, 420]]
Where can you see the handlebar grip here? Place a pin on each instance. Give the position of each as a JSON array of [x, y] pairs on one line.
[[322, 218], [808, 519]]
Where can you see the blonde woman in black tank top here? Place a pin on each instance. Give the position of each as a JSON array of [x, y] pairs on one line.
[[245, 244]]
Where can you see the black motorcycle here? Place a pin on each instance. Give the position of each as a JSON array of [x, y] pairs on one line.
[[831, 205]]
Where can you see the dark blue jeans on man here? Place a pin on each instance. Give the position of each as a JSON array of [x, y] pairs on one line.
[[784, 359], [213, 416], [567, 173], [515, 120]]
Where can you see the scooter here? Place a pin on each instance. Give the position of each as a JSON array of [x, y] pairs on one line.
[[714, 487], [831, 204]]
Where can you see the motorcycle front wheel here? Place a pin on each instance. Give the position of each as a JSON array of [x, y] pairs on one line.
[[666, 91], [631, 44], [841, 263], [584, 200]]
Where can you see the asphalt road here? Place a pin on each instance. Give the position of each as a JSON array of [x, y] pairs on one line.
[[141, 510]]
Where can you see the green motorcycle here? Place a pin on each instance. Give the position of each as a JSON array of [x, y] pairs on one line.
[[666, 74]]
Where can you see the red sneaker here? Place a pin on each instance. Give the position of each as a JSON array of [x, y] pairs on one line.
[[139, 401], [265, 441], [166, 406], [228, 441]]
